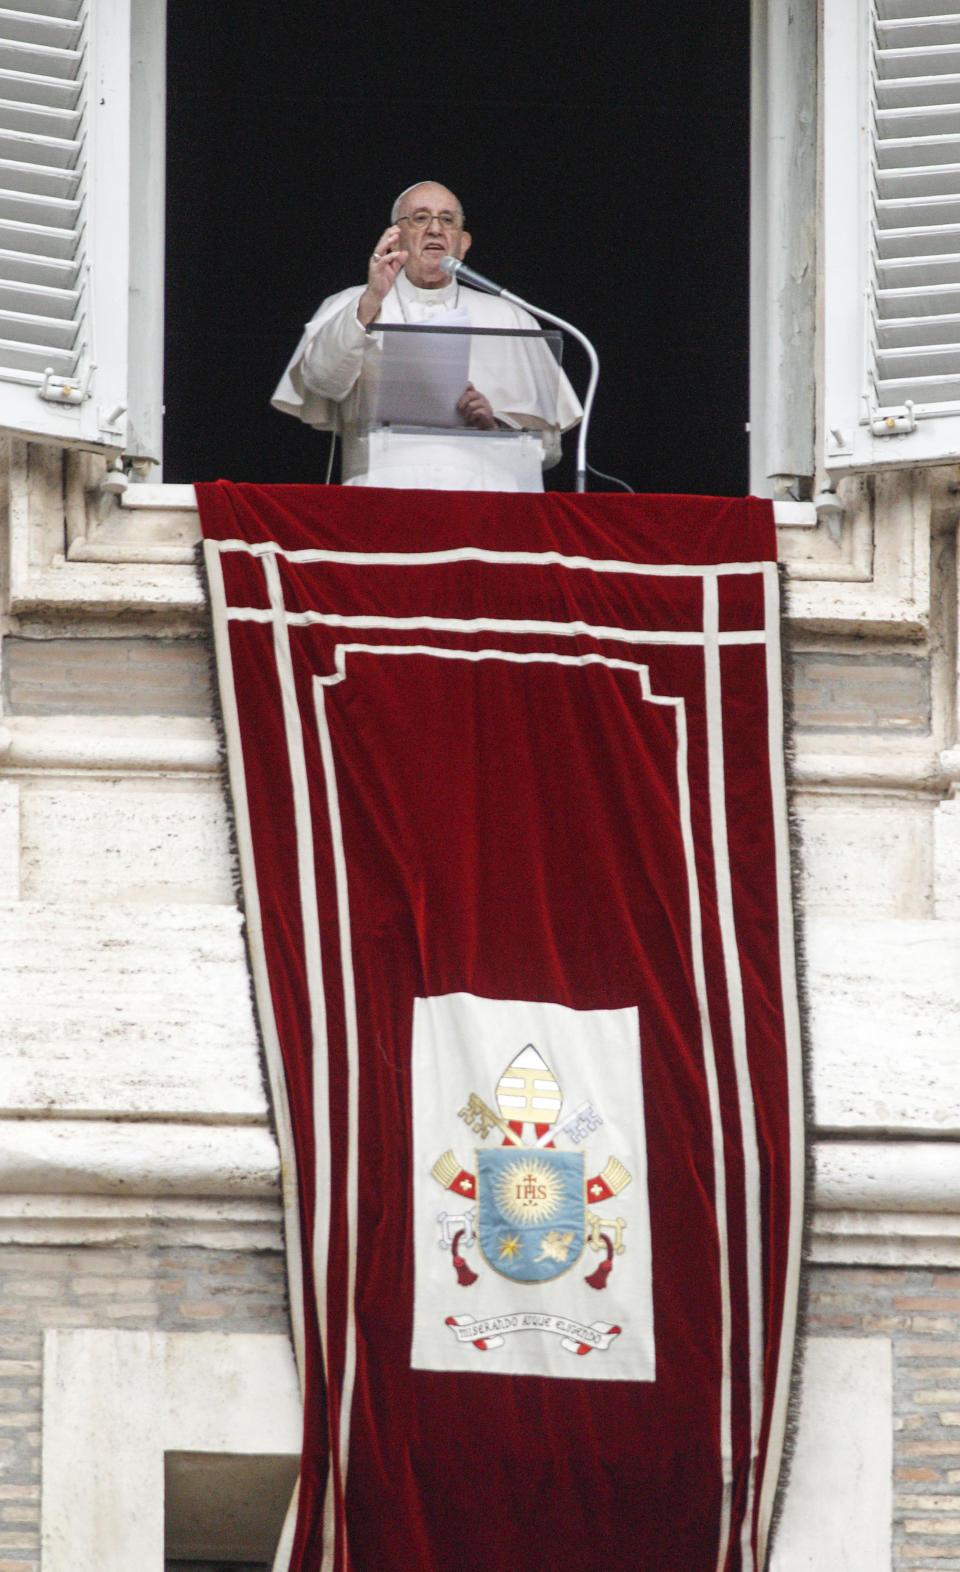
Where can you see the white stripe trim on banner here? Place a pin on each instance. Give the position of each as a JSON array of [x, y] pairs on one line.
[[254, 920], [738, 1029], [719, 1164], [304, 619], [313, 964], [696, 936], [353, 1079], [265, 1013], [421, 559], [517, 657]]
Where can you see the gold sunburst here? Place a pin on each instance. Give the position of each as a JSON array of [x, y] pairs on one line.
[[528, 1191]]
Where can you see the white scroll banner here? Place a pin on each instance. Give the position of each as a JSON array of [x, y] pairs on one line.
[[490, 1333]]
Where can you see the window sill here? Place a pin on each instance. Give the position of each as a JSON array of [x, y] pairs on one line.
[[132, 557]]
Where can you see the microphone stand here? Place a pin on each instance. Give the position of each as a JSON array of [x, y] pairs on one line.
[[460, 270]]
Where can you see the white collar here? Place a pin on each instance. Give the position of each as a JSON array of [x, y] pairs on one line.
[[425, 297]]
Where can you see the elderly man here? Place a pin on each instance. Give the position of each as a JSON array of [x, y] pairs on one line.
[[336, 363]]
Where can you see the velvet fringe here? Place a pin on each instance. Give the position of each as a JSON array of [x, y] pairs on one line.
[[235, 873], [788, 665]]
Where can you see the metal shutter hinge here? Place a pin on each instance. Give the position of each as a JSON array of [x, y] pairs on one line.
[[66, 390], [892, 422]]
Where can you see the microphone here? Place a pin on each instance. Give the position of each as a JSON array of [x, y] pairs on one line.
[[459, 270], [466, 275]]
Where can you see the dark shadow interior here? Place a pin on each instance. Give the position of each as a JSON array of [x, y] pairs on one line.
[[601, 155]]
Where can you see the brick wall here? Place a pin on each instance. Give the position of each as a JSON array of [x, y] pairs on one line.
[[171, 1290], [919, 1311], [862, 692], [178, 1290]]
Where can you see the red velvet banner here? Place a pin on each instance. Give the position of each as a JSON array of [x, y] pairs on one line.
[[508, 781]]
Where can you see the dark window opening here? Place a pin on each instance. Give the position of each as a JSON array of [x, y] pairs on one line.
[[602, 159], [223, 1512]]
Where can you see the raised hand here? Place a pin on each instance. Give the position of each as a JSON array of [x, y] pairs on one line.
[[385, 263]]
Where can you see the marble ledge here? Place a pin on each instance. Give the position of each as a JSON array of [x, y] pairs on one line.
[[115, 744], [109, 744], [786, 514], [71, 1182], [154, 1159]]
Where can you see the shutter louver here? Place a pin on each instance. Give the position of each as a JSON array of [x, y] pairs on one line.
[[42, 56], [890, 242], [81, 304], [915, 317]]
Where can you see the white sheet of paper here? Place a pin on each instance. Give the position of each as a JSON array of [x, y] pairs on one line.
[[423, 374]]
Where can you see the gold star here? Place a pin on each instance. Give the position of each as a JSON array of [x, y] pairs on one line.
[[509, 1247]]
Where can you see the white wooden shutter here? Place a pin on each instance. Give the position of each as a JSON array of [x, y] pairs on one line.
[[891, 233], [64, 219]]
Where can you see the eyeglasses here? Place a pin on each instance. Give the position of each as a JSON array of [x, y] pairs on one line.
[[421, 218]]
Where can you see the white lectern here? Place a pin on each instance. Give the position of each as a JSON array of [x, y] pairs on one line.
[[405, 430]]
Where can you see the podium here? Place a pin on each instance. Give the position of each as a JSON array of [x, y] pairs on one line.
[[404, 429]]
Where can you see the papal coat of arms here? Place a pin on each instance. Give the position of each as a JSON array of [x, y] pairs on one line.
[[532, 1216]]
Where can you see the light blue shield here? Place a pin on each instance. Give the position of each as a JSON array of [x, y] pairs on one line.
[[531, 1215]]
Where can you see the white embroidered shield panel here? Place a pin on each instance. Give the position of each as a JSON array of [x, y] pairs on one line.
[[531, 1212]]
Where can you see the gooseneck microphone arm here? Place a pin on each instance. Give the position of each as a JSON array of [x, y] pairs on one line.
[[468, 276]]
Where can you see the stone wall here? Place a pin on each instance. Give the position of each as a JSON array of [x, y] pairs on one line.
[[139, 1178]]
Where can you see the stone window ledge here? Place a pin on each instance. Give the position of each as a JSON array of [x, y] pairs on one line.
[[77, 546]]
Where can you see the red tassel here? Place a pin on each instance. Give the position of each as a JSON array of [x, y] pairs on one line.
[[598, 1279], [464, 1275]]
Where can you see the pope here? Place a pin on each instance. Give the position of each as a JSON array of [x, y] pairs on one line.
[[514, 387]]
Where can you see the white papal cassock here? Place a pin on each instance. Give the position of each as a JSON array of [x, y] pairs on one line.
[[324, 386]]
